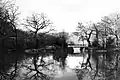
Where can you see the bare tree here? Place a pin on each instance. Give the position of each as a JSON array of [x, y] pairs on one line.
[[8, 20], [36, 23], [113, 25], [108, 26], [84, 32]]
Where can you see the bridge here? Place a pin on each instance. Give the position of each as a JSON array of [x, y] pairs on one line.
[[77, 45]]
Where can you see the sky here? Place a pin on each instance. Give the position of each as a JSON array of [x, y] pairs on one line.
[[65, 14]]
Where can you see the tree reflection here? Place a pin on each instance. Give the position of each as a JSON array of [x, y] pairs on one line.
[[37, 68]]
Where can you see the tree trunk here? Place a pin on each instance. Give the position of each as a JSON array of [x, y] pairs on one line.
[[36, 41], [117, 39], [89, 44]]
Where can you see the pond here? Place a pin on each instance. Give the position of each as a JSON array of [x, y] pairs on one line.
[[54, 69], [23, 67]]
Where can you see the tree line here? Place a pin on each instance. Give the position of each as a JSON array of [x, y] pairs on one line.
[[103, 38]]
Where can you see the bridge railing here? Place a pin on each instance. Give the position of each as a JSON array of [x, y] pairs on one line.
[[77, 45]]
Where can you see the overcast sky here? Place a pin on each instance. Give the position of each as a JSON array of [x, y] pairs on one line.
[[65, 14]]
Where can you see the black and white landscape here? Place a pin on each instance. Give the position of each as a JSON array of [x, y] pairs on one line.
[[59, 40]]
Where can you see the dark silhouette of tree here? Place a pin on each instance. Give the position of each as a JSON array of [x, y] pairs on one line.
[[108, 33], [36, 23], [84, 33], [39, 26], [61, 53], [10, 44]]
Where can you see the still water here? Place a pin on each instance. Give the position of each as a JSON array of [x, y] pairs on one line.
[[72, 62]]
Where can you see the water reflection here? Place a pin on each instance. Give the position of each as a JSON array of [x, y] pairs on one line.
[[74, 61], [54, 69], [49, 67]]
